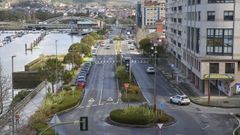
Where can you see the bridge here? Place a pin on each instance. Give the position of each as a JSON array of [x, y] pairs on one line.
[[76, 23]]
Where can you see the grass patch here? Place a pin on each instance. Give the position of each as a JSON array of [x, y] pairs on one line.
[[139, 115], [54, 103]]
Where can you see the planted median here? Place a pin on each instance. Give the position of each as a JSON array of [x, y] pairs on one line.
[[54, 103], [132, 93]]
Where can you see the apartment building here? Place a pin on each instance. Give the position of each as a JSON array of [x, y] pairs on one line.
[[203, 37], [150, 11]]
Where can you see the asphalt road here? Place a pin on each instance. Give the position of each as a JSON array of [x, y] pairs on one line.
[[102, 96]]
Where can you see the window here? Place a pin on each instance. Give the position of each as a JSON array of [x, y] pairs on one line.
[[179, 33], [179, 20], [180, 8], [211, 15], [214, 68], [221, 1], [219, 41], [228, 15], [179, 45], [229, 68]]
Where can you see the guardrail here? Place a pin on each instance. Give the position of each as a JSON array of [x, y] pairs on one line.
[[4, 119]]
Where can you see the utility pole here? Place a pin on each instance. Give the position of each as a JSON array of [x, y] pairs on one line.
[[12, 105], [155, 65]]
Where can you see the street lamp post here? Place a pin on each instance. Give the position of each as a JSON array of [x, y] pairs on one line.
[[56, 75], [12, 96], [154, 83]]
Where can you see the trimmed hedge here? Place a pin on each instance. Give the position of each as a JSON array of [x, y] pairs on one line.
[[139, 116]]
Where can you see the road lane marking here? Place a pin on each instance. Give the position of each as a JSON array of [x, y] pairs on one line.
[[101, 91], [206, 126], [204, 116]]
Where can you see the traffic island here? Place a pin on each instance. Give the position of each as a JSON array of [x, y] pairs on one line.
[[139, 117], [130, 91]]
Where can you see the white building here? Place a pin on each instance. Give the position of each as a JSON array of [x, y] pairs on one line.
[[203, 38], [151, 11]]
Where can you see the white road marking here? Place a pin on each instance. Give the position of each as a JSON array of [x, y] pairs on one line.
[[101, 91], [110, 99], [206, 126], [204, 116]]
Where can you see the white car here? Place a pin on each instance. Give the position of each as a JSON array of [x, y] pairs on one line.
[[131, 47], [94, 52], [150, 70], [180, 99]]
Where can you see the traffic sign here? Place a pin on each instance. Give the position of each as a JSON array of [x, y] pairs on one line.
[[160, 125], [55, 120], [110, 99], [161, 105], [126, 85], [83, 123]]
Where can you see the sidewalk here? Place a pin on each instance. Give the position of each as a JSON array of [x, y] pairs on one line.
[[32, 106], [28, 110], [185, 86]]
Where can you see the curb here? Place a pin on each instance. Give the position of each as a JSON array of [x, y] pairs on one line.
[[110, 121], [192, 100], [180, 90], [234, 131], [72, 108]]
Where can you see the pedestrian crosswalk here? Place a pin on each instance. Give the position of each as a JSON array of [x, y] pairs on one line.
[[112, 60], [138, 61]]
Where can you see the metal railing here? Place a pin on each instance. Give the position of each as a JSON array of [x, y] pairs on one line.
[[4, 119]]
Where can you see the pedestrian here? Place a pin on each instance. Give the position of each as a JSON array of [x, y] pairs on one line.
[[17, 117]]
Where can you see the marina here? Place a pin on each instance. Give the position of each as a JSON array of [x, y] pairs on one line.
[[47, 46]]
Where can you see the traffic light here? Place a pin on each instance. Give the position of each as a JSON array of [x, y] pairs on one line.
[[83, 123], [127, 64]]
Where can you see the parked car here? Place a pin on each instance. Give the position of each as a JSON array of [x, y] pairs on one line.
[[179, 99], [94, 52], [108, 47], [150, 70], [132, 47], [111, 41]]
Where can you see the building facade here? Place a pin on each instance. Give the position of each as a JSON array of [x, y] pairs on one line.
[[150, 11], [203, 38]]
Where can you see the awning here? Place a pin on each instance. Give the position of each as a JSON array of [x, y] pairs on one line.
[[218, 76]]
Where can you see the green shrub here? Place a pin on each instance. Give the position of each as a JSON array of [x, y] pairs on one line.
[[53, 104], [238, 131], [20, 96], [121, 74], [138, 116], [133, 89]]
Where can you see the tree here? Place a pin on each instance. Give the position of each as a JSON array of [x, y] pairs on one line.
[[67, 76], [5, 86], [52, 71], [94, 35], [146, 45], [74, 58], [74, 48], [102, 31], [89, 40], [84, 49]]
